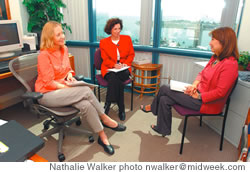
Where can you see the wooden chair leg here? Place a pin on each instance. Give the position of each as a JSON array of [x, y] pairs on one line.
[[183, 133]]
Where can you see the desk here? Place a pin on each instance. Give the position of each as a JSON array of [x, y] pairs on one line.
[[11, 89], [7, 74], [140, 80], [20, 142]]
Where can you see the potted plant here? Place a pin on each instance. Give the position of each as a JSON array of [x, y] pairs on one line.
[[244, 60], [41, 11]]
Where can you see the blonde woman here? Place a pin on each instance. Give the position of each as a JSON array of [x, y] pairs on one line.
[[53, 70]]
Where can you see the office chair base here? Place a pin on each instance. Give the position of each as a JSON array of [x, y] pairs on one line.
[[61, 130], [61, 157], [91, 139]]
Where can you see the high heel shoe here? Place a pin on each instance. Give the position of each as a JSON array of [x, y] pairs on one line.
[[120, 127], [107, 107], [107, 148]]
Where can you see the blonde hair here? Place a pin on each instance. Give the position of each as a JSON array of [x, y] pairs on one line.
[[48, 35]]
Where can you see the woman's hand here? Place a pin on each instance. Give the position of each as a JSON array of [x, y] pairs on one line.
[[190, 90], [124, 65], [195, 95], [118, 66], [70, 77], [61, 86]]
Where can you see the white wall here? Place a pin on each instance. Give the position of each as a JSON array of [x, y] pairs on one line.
[[244, 38], [18, 12]]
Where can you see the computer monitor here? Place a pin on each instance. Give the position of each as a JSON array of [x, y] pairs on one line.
[[10, 37]]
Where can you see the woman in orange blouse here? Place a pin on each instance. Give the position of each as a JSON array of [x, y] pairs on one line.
[[117, 51], [53, 70]]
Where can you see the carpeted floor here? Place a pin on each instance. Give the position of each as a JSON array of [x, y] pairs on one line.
[[138, 143]]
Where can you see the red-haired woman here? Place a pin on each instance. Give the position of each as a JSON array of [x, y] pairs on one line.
[[209, 91]]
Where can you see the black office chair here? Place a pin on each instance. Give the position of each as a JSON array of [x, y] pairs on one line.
[[186, 112], [104, 83], [24, 68]]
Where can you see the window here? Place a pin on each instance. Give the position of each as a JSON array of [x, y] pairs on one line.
[[135, 15], [186, 23], [76, 16]]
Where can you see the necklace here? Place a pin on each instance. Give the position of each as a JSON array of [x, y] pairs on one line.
[[215, 62]]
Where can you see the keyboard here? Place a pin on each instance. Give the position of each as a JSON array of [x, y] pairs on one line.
[[20, 53]]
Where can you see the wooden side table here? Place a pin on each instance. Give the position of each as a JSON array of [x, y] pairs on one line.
[[140, 80]]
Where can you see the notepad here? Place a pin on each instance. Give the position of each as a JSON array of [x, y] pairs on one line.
[[118, 70], [80, 83], [178, 85]]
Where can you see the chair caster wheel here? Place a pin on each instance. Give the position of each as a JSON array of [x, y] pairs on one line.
[[91, 139], [46, 125], [79, 122], [61, 157]]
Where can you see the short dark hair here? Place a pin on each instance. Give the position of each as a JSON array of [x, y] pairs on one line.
[[227, 37], [111, 23]]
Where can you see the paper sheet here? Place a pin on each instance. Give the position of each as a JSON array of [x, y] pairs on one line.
[[80, 83], [178, 86], [118, 70]]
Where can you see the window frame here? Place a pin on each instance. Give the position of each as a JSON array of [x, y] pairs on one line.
[[155, 48]]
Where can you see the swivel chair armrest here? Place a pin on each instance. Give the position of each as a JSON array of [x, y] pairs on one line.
[[32, 95], [79, 77]]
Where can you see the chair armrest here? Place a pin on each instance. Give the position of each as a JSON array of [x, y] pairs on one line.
[[79, 77], [32, 95]]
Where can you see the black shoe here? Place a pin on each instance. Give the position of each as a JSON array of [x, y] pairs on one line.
[[122, 115], [107, 107], [120, 127], [107, 148]]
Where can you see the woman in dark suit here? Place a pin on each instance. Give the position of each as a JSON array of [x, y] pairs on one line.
[[209, 91], [117, 51]]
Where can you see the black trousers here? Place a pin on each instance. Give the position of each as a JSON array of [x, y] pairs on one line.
[[115, 90], [162, 107]]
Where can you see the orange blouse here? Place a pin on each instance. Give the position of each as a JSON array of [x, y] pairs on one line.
[[53, 67]]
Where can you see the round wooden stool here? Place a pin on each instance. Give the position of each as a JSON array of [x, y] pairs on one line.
[[140, 79]]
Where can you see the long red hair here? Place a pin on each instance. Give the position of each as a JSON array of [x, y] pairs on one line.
[[227, 37]]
